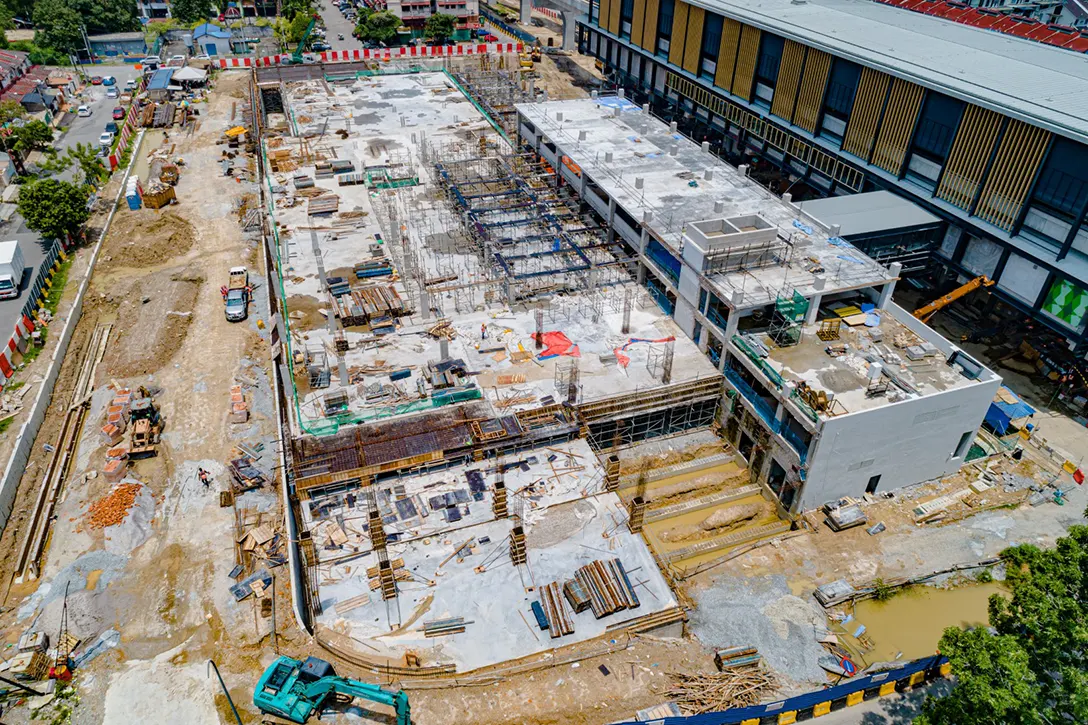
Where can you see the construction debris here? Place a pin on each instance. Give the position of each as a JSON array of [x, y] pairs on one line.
[[740, 687]]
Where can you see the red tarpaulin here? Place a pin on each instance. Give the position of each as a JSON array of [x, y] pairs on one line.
[[556, 343]]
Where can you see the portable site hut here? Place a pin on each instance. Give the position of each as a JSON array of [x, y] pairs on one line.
[[158, 89]]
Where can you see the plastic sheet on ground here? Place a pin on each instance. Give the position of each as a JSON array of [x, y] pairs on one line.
[[556, 344]]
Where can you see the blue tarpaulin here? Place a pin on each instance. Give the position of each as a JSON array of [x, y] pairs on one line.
[[1001, 414]]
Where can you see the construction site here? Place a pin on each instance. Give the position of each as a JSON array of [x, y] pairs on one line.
[[424, 386]]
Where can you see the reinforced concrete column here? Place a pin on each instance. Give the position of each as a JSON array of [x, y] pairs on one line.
[[570, 29], [611, 220], [889, 287], [813, 309], [526, 17], [731, 324]]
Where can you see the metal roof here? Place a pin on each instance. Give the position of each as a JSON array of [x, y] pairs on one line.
[[874, 211], [1041, 85], [160, 79]]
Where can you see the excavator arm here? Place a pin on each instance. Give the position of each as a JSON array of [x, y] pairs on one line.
[[317, 691], [296, 57], [927, 311]]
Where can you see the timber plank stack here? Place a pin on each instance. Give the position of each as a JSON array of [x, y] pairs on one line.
[[378, 305], [559, 620], [608, 587]]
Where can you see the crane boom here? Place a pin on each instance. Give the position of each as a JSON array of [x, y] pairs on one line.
[[926, 311], [296, 57]]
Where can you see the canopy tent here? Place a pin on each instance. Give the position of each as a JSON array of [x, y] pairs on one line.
[[1007, 411], [190, 75]]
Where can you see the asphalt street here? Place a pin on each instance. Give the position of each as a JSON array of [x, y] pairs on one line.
[[336, 23], [81, 130]]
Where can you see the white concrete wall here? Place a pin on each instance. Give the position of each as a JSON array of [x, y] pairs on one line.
[[905, 443]]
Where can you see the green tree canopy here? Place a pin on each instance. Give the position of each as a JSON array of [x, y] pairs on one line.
[[55, 209], [381, 27], [439, 27], [297, 27], [85, 157], [191, 11], [58, 25], [11, 110], [1035, 668], [32, 136]]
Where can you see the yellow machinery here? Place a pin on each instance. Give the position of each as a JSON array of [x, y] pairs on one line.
[[927, 311], [535, 53], [525, 61]]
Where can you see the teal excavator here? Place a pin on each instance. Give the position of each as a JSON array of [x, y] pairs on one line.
[[296, 690], [297, 57]]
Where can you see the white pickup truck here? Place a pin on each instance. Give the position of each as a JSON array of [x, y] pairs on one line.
[[236, 295]]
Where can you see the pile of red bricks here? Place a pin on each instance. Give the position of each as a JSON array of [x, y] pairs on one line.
[[112, 508]]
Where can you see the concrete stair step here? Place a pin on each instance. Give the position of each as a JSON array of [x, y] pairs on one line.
[[702, 502], [724, 542]]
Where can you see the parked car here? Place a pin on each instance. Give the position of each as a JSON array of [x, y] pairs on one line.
[[176, 61], [109, 81], [321, 46], [132, 84], [118, 113], [106, 139], [83, 111], [111, 127], [113, 93], [489, 38], [96, 80]]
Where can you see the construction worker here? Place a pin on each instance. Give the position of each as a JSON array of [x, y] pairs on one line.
[[483, 330], [205, 477]]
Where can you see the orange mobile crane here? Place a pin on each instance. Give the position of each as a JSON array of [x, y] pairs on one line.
[[927, 311]]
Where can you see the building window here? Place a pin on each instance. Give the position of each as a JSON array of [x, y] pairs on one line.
[[664, 26], [712, 41], [842, 85], [874, 481], [627, 12], [1059, 196], [933, 140], [594, 12], [770, 58], [964, 445]]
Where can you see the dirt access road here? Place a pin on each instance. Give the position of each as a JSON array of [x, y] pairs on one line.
[[154, 589]]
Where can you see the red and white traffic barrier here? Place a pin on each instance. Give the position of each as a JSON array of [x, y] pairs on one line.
[[16, 344], [553, 14], [384, 54]]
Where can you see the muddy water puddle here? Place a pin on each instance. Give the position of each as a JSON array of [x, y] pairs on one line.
[[910, 624]]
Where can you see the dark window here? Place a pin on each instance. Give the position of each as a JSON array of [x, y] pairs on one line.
[[964, 445], [937, 126], [1059, 195], [874, 481], [933, 140], [712, 42], [842, 85], [594, 12], [627, 11], [664, 26], [770, 56]]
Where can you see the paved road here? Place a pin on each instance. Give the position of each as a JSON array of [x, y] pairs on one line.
[[336, 23], [82, 130]]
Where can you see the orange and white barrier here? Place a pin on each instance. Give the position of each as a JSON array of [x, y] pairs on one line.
[[348, 56]]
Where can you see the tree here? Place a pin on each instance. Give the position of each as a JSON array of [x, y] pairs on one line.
[[58, 26], [297, 27], [291, 8], [56, 209], [1042, 625], [994, 681], [191, 11], [32, 136], [11, 110], [381, 27], [439, 27], [86, 157], [54, 163]]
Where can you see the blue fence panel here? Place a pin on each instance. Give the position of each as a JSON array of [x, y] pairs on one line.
[[793, 439], [35, 291], [738, 715], [669, 264], [766, 412]]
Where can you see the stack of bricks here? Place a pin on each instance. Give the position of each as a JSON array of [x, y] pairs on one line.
[[239, 408], [116, 464], [117, 417]]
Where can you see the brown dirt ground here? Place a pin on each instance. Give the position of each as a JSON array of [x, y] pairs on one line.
[[146, 238], [148, 334]]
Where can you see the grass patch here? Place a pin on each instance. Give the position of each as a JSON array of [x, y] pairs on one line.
[[56, 291], [882, 591], [33, 351], [5, 424], [15, 386], [984, 576]]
